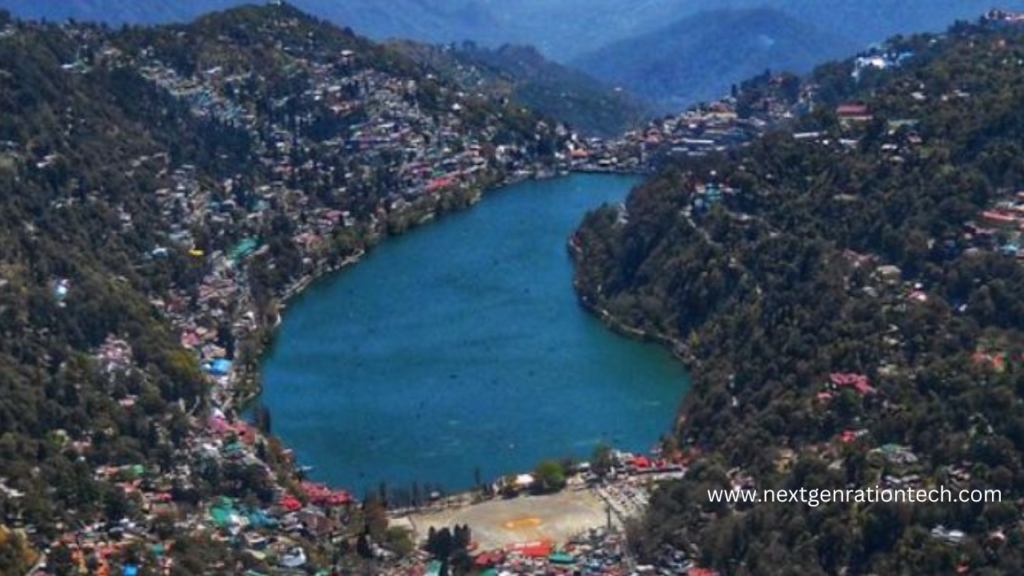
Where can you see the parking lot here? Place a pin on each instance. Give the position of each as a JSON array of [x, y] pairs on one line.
[[498, 523]]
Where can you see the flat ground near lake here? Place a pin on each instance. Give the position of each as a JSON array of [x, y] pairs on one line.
[[498, 523]]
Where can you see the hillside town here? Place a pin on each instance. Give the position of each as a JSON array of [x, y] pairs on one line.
[[220, 228], [708, 128], [302, 213], [896, 132], [311, 205]]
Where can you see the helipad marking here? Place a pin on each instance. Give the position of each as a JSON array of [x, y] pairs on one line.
[[522, 523]]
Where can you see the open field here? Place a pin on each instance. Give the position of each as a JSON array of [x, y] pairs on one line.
[[498, 523]]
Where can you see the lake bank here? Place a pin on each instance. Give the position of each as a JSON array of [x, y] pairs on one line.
[[399, 370]]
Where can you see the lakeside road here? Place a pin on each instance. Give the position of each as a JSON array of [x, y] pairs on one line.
[[503, 522]]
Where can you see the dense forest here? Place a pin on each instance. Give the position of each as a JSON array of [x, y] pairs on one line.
[[158, 183], [849, 249]]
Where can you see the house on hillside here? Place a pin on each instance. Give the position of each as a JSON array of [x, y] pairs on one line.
[[853, 112]]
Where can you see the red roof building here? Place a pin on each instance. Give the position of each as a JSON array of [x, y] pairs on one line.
[[538, 549], [853, 111], [847, 436], [999, 218], [290, 503], [858, 382], [322, 495], [488, 559]]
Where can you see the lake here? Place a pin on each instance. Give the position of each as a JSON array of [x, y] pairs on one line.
[[461, 346]]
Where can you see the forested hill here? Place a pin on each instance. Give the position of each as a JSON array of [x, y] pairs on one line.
[[698, 57], [852, 300], [524, 75], [675, 51], [158, 188]]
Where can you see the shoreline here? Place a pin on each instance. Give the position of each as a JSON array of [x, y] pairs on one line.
[[247, 386], [677, 347]]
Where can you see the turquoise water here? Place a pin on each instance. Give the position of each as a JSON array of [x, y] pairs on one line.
[[461, 346]]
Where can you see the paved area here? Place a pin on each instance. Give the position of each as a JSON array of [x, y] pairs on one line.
[[498, 523], [627, 499]]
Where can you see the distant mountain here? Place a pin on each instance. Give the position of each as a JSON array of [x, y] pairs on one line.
[[566, 29], [562, 29], [870, 21], [425, 20], [701, 56], [522, 74], [631, 35]]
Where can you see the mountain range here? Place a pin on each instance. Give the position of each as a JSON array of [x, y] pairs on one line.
[[651, 65], [523, 75], [561, 29], [672, 52]]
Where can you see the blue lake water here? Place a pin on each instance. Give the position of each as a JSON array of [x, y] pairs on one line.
[[460, 346]]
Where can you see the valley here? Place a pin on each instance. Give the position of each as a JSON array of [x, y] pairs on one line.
[[277, 298]]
